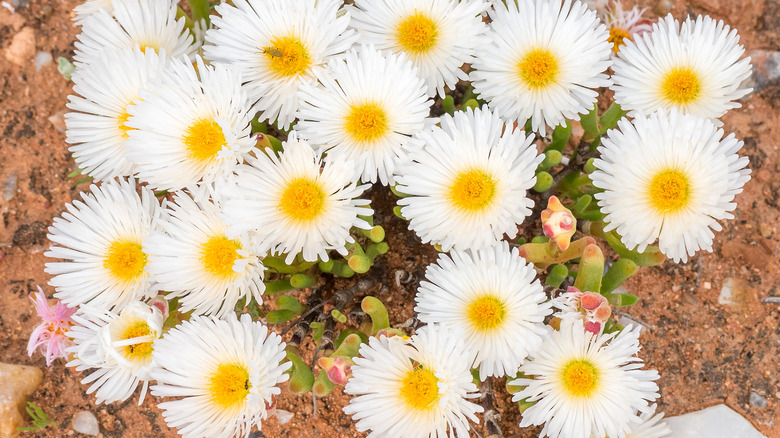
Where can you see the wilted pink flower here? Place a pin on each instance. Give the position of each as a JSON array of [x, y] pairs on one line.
[[592, 308], [49, 336], [338, 368], [558, 223]]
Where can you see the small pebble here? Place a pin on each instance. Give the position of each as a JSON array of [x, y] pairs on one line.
[[707, 285], [756, 400], [22, 47], [42, 59], [58, 120], [9, 188], [86, 423]]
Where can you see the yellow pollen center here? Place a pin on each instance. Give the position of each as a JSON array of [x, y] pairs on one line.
[[141, 350], [229, 385], [204, 139], [288, 56], [121, 121], [486, 313], [366, 122], [218, 255], [125, 260], [538, 68], [669, 191], [472, 190], [417, 33], [580, 378], [617, 37], [420, 389], [681, 85], [303, 200]]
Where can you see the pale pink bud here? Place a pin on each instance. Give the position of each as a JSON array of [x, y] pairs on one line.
[[337, 368], [161, 304], [558, 223]]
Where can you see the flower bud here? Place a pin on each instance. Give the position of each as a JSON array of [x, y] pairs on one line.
[[558, 223], [338, 368]]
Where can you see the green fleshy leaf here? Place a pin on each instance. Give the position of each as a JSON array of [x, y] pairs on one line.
[[301, 377], [378, 313], [590, 270], [622, 300], [611, 117], [448, 105], [620, 271], [289, 303], [590, 122], [279, 316], [322, 386], [560, 137]]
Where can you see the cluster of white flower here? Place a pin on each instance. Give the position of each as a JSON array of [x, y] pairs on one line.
[[172, 105]]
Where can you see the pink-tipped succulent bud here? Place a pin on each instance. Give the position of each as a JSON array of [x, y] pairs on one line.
[[592, 308], [591, 301], [558, 223], [161, 304], [390, 332], [338, 368]]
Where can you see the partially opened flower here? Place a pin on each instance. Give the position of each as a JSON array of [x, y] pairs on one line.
[[223, 373], [414, 389], [438, 36], [670, 177], [624, 25], [694, 67], [49, 336], [118, 346], [585, 385], [544, 61], [489, 299], [467, 181]]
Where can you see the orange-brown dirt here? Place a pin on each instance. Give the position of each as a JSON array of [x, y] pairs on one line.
[[707, 353]]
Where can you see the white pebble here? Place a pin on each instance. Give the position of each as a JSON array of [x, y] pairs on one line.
[[42, 59], [86, 423]]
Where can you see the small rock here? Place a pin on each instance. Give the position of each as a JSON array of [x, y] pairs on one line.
[[22, 47], [766, 71], [9, 188], [756, 400], [663, 7], [86, 423], [765, 230], [16, 383], [58, 120], [33, 233], [707, 285], [42, 59], [738, 294], [718, 421]]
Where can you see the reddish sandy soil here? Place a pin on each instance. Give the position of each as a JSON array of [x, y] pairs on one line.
[[706, 353]]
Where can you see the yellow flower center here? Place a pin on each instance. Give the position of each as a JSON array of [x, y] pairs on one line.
[[417, 34], [538, 68], [303, 200], [617, 37], [218, 255], [125, 260], [121, 121], [472, 190], [681, 85], [229, 385], [486, 312], [204, 139], [142, 350], [420, 389], [366, 122], [288, 56], [669, 191], [580, 378]]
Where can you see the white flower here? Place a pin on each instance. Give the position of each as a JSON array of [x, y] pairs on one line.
[[193, 258], [101, 241], [277, 46], [694, 68], [294, 203], [438, 36], [468, 183], [545, 58], [585, 385], [98, 129], [490, 300], [366, 109], [119, 346], [650, 426], [191, 127], [90, 7], [225, 373], [148, 24], [413, 389], [670, 177]]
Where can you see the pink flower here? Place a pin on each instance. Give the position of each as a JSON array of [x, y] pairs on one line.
[[49, 337], [338, 368], [592, 308], [558, 223]]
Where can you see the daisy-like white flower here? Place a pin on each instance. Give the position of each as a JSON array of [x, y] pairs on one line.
[[468, 182], [625, 25], [97, 128], [89, 7], [438, 36], [49, 336], [277, 46], [118, 346], [544, 60], [366, 109], [490, 299], [294, 203], [694, 68], [225, 373], [413, 389], [101, 240], [148, 24], [193, 258], [191, 127], [586, 385], [669, 177]]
